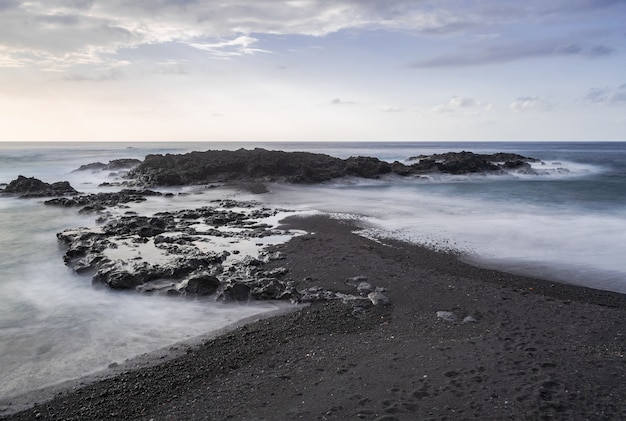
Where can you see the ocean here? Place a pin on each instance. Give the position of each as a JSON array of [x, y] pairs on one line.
[[567, 224]]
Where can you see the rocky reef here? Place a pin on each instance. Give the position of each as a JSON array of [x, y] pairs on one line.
[[218, 250], [195, 253], [100, 201], [114, 165], [32, 187], [304, 167], [469, 162]]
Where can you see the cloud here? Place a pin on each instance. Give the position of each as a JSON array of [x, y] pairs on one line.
[[507, 53], [8, 4], [391, 109], [226, 49], [338, 101], [606, 96], [459, 103], [57, 34], [530, 103]]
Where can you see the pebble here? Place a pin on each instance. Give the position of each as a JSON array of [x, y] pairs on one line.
[[470, 319], [447, 316], [378, 298]]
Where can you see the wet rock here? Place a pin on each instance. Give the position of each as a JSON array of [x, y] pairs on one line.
[[202, 285], [234, 292], [99, 201], [469, 162], [114, 165], [33, 187], [260, 165]]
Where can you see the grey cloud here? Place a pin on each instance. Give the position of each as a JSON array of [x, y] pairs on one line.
[[338, 101], [8, 4], [606, 96], [78, 31], [530, 103], [64, 20], [581, 6], [507, 53], [600, 50]]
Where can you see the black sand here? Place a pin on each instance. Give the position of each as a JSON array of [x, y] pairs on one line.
[[536, 350]]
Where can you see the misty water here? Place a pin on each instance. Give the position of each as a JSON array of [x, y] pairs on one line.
[[568, 223]]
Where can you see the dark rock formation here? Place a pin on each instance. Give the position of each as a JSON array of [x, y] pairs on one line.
[[99, 201], [303, 167], [168, 253], [114, 165], [469, 162], [202, 284], [258, 164], [33, 187]]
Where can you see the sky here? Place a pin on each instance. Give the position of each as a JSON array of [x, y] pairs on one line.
[[313, 70]]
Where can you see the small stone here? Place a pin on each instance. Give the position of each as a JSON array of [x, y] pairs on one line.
[[364, 287], [378, 298], [356, 280], [470, 319], [447, 316]]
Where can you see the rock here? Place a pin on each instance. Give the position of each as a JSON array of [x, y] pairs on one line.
[[378, 298], [234, 292], [447, 316], [469, 319], [364, 288], [94, 166], [202, 285], [33, 187], [114, 165], [355, 280], [257, 165], [274, 256], [274, 289], [469, 162], [261, 165], [99, 201]]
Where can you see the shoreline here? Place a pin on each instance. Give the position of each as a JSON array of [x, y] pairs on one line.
[[535, 349]]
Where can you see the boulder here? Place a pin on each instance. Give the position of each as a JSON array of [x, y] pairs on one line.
[[234, 292], [203, 284], [33, 187]]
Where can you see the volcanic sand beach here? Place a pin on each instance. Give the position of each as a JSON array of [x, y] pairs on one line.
[[531, 349]]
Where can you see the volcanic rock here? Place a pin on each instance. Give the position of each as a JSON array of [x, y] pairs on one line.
[[469, 162], [33, 187], [260, 165], [113, 165]]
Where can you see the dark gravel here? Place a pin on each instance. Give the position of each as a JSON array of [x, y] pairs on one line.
[[528, 349]]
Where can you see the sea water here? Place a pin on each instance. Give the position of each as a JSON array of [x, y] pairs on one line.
[[53, 325], [567, 223]]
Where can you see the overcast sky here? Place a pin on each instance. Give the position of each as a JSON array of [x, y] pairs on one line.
[[312, 70]]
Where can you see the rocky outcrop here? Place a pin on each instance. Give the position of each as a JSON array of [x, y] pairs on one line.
[[304, 167], [100, 201], [171, 253], [175, 253], [239, 165], [114, 165], [469, 162], [33, 187]]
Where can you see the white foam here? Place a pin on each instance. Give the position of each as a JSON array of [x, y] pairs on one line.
[[548, 238]]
